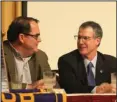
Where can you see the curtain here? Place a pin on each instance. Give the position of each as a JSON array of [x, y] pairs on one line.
[[10, 10]]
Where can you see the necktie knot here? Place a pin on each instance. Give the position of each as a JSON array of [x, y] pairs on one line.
[[89, 67]]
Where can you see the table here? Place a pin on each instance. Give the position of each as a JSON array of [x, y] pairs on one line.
[[91, 98], [36, 96]]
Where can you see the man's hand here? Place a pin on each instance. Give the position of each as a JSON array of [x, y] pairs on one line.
[[104, 88], [38, 85]]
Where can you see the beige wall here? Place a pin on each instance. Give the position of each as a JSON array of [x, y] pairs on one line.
[[59, 22]]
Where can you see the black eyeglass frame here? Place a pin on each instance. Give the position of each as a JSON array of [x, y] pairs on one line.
[[36, 36]]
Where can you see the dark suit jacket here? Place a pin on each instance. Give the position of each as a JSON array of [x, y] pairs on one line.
[[72, 72], [37, 64]]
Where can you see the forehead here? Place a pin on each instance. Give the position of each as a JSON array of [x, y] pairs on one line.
[[88, 31], [34, 27]]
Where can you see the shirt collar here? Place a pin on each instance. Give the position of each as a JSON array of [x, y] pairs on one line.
[[86, 61], [17, 54]]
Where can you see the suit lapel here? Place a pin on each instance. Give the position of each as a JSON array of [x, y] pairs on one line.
[[79, 68], [99, 68], [82, 72], [10, 62], [35, 68], [32, 66]]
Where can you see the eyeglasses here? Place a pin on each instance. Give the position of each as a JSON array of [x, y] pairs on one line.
[[84, 38], [36, 36]]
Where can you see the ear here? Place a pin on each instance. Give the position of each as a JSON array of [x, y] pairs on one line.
[[98, 41], [21, 38]]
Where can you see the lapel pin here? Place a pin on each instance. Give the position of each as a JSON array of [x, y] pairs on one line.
[[101, 71]]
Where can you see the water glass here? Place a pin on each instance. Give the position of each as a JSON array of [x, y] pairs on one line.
[[5, 84], [113, 82], [113, 78], [17, 84], [49, 78]]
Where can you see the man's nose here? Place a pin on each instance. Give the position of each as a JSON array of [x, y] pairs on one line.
[[39, 39]]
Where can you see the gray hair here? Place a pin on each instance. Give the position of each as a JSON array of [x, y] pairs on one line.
[[96, 27]]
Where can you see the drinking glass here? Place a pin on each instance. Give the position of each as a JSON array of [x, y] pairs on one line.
[[5, 85], [49, 78], [113, 81], [17, 84], [113, 78]]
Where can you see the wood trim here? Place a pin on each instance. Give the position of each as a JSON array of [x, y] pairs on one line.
[[24, 8]]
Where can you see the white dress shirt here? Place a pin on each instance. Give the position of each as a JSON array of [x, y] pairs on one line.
[[22, 66]]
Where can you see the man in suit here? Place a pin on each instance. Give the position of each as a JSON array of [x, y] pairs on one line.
[[74, 72], [24, 61]]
